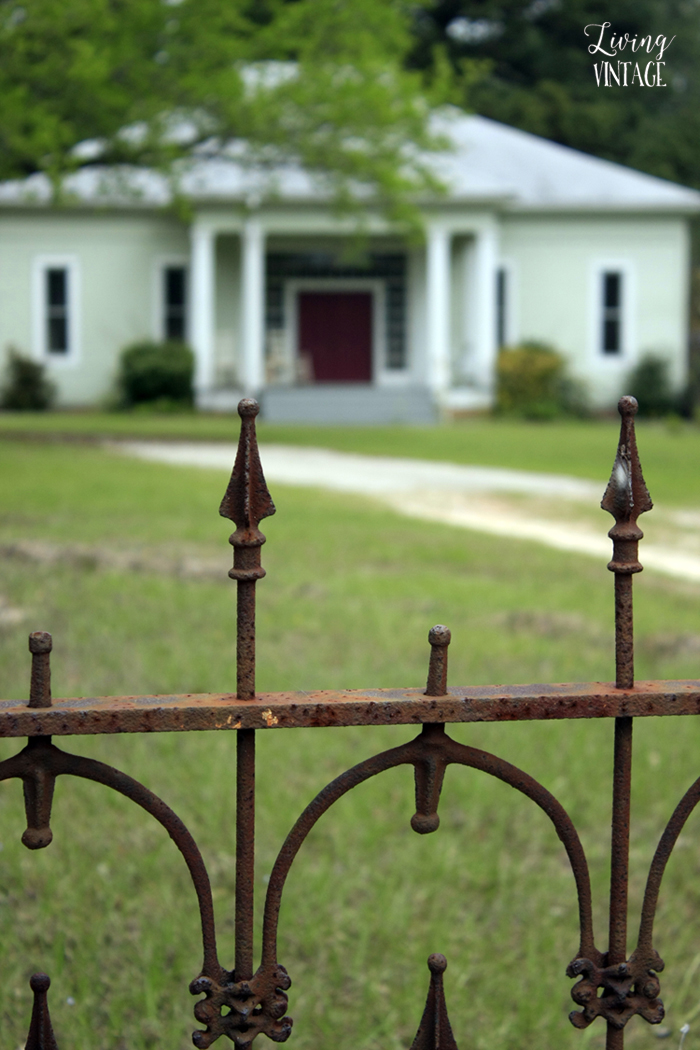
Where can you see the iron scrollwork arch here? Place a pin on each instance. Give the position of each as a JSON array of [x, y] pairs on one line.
[[38, 765], [430, 753]]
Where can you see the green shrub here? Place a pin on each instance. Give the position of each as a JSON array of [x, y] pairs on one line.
[[532, 383], [26, 388], [649, 382], [152, 372]]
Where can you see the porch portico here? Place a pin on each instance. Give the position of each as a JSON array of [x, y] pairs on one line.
[[281, 309]]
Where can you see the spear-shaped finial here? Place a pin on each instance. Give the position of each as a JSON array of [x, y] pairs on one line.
[[246, 502], [435, 1031], [40, 1035], [626, 497]]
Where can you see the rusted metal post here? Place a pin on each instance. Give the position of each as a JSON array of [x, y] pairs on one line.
[[439, 638], [626, 497], [245, 852], [246, 502], [619, 857], [40, 646]]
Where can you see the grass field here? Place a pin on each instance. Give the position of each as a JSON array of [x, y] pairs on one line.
[[671, 450], [125, 562]]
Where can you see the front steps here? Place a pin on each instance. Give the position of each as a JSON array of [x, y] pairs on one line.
[[344, 403]]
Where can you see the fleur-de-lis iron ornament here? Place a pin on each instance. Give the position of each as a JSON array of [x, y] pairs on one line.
[[242, 1004]]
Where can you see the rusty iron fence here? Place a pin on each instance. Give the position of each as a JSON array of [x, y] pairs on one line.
[[244, 1002]]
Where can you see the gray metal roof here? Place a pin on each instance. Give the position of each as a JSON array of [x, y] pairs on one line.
[[532, 172], [489, 163]]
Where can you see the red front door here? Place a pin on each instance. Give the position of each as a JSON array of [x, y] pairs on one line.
[[335, 335]]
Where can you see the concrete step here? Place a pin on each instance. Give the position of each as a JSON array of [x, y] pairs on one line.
[[348, 403]]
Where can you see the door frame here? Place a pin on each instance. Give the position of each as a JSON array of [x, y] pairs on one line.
[[377, 290]]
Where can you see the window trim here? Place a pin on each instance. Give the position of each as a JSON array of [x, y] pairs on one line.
[[160, 265], [40, 267], [626, 354]]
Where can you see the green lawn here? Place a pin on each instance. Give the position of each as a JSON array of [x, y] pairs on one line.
[[670, 451], [351, 592]]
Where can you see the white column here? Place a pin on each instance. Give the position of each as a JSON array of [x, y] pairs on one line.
[[484, 300], [253, 306], [202, 304], [438, 308]]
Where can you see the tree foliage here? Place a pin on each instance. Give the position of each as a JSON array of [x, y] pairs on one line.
[[146, 82], [537, 74], [337, 86]]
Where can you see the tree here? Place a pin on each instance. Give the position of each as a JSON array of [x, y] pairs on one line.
[[537, 74], [150, 82]]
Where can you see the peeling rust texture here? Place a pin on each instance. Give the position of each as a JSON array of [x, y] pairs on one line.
[[353, 707]]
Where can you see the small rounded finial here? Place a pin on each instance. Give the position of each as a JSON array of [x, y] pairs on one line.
[[248, 408], [40, 982], [37, 838], [40, 642], [439, 635], [425, 823], [437, 963], [627, 405]]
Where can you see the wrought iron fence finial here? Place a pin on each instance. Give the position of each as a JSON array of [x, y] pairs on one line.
[[626, 496], [247, 499], [246, 502], [41, 1036], [435, 1031], [439, 638], [40, 646]]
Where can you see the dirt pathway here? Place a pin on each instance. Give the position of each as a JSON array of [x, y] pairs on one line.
[[555, 510]]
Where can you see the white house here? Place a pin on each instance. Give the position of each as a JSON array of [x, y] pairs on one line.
[[531, 241]]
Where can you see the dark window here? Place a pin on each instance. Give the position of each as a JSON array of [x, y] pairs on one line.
[[501, 306], [612, 313], [395, 323], [57, 311], [175, 299]]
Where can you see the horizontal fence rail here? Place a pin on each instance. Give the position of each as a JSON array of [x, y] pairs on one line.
[[244, 1002]]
